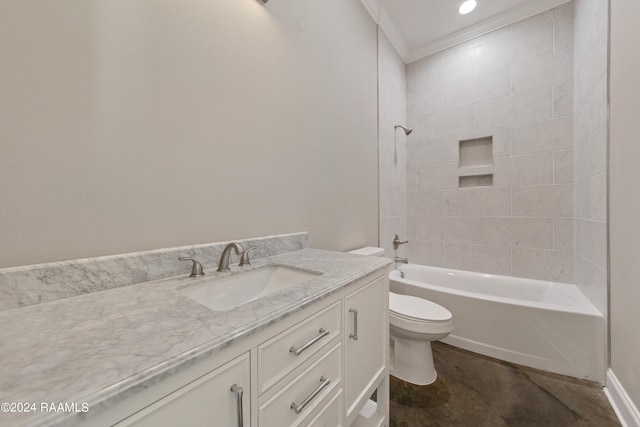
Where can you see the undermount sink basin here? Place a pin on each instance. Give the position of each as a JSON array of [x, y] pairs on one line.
[[225, 293]]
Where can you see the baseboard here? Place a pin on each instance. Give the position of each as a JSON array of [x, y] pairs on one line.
[[624, 408]]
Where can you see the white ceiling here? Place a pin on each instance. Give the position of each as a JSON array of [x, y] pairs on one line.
[[418, 28]]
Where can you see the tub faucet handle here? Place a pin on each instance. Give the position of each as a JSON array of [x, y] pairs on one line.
[[397, 242]]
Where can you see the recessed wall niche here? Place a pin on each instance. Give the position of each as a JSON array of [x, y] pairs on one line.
[[476, 152], [475, 164], [476, 180]]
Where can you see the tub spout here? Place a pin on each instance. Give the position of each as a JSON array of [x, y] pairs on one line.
[[401, 260]]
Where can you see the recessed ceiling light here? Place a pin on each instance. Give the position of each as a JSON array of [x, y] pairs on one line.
[[467, 7]]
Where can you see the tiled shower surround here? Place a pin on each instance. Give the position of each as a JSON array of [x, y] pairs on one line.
[[590, 123], [514, 85], [392, 144]]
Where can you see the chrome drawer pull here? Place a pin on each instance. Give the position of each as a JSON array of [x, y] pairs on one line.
[[321, 334], [354, 335], [298, 408], [239, 391]]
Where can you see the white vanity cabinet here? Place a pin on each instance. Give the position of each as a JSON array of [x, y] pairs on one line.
[[366, 342], [317, 367], [219, 398]]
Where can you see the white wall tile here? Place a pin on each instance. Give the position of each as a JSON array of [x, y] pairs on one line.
[[412, 227], [563, 234], [482, 87], [460, 229], [563, 100], [515, 85], [439, 68], [521, 108], [392, 203], [592, 281], [556, 266], [591, 241], [590, 106], [592, 112], [424, 127], [392, 175], [563, 167], [430, 228], [411, 78], [542, 71], [591, 198], [591, 155], [533, 41], [493, 50], [448, 229], [478, 258], [544, 136], [486, 201], [388, 227], [515, 232], [534, 22], [424, 151], [454, 122], [529, 169], [429, 203], [563, 28], [412, 179], [437, 177], [543, 200], [426, 253], [427, 101]]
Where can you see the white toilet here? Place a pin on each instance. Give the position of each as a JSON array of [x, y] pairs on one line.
[[414, 322]]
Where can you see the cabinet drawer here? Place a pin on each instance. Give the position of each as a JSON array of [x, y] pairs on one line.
[[277, 357], [330, 415], [306, 392]]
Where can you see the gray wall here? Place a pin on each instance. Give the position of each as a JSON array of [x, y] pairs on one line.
[[624, 205], [135, 125]]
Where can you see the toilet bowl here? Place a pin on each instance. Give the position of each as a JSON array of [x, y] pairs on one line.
[[413, 323]]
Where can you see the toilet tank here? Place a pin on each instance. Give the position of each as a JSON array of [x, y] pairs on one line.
[[368, 251]]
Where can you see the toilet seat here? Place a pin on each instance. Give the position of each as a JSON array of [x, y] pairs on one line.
[[419, 315]]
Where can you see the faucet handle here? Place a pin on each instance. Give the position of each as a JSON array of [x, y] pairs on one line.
[[397, 242], [196, 267], [244, 259]]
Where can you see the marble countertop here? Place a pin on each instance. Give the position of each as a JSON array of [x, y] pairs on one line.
[[101, 347]]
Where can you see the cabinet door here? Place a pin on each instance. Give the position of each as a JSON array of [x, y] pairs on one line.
[[208, 401], [366, 339]]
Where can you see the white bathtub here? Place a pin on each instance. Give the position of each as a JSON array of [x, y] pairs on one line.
[[544, 325]]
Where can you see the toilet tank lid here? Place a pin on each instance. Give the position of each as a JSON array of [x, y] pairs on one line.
[[368, 251]]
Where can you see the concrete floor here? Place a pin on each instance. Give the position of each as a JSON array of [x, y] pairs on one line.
[[478, 391]]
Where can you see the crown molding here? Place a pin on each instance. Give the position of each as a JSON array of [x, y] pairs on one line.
[[393, 35], [373, 8], [381, 18], [508, 17]]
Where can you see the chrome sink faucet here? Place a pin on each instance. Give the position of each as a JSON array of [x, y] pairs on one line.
[[223, 265]]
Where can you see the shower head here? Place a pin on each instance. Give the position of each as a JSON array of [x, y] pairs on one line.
[[407, 131]]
